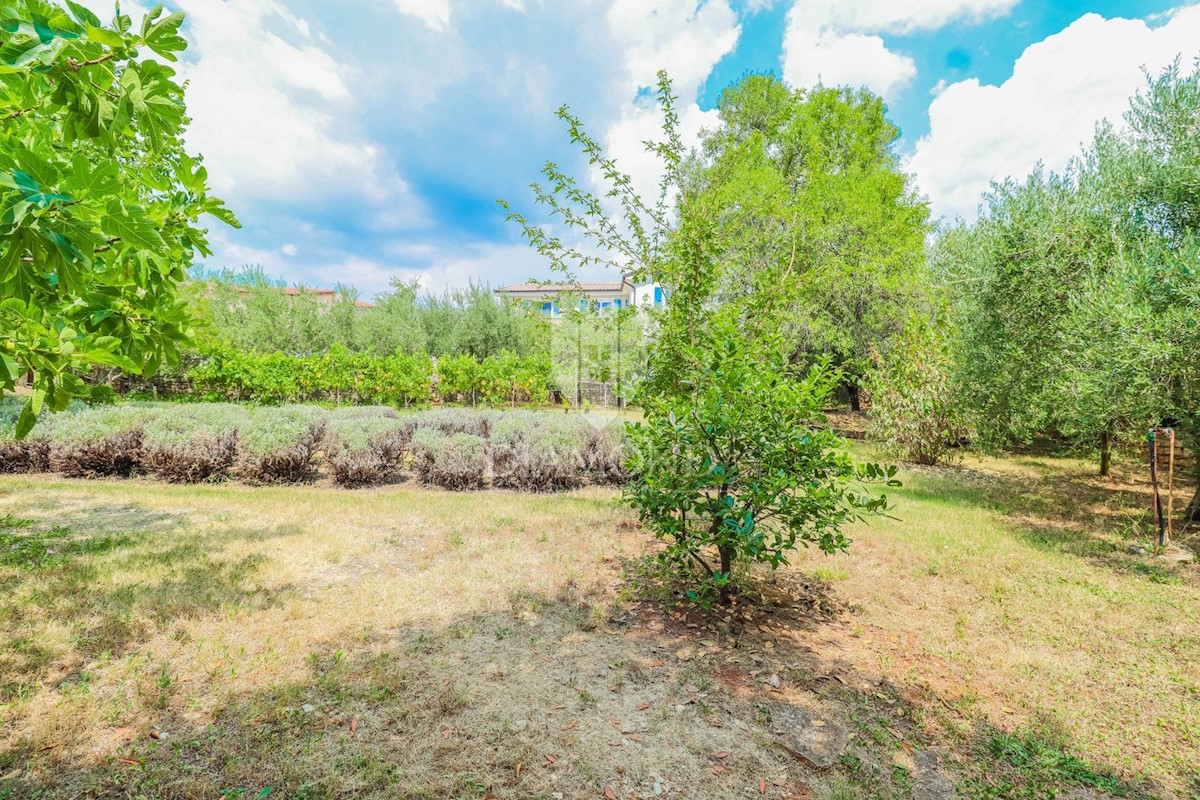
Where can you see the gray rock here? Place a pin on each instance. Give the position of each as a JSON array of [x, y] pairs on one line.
[[815, 741], [1177, 553], [928, 781]]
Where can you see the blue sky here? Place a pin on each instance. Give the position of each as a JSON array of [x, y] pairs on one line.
[[366, 140]]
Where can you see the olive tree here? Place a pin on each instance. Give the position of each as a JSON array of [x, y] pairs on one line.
[[1074, 294]]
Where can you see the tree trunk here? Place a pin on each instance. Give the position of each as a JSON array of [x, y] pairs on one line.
[[726, 570], [855, 397], [1192, 513], [1106, 443]]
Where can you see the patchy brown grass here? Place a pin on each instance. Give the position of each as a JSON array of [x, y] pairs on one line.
[[184, 641]]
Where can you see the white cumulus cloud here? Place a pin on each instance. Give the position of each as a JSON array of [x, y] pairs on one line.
[[836, 42], [270, 109], [685, 38], [1060, 89]]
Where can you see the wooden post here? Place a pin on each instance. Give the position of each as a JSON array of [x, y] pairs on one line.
[[1171, 489], [1158, 509]]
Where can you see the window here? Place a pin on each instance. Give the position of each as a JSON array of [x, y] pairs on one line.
[[617, 303], [658, 296], [583, 304], [548, 308]]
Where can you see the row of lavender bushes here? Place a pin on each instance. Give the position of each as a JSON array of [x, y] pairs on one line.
[[356, 445]]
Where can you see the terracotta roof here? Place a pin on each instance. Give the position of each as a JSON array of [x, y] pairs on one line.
[[363, 304], [614, 286]]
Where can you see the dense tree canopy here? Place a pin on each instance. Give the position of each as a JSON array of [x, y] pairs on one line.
[[1075, 294], [250, 311], [99, 201], [810, 177]]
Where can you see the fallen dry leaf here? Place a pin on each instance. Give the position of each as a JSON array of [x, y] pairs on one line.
[[353, 725], [609, 794], [643, 706], [446, 734], [717, 770], [720, 755], [634, 736], [550, 759], [131, 762], [559, 707], [570, 726], [518, 770], [762, 786]]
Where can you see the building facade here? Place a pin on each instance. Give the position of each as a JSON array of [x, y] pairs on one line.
[[552, 298]]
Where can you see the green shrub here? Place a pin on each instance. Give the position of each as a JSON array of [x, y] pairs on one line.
[[913, 412], [99, 441], [338, 375], [456, 461], [537, 452], [363, 450], [277, 444], [741, 468], [458, 379], [193, 443], [604, 451]]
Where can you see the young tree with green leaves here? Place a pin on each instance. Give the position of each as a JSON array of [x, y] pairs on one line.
[[100, 204], [731, 464]]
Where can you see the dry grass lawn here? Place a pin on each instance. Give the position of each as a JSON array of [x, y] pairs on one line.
[[229, 641]]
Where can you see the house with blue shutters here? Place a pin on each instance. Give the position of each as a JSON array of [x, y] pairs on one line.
[[551, 298]]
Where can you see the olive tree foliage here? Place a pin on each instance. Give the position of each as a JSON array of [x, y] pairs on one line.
[[1164, 120], [249, 310], [914, 413], [99, 201], [1074, 294], [844, 214], [732, 463]]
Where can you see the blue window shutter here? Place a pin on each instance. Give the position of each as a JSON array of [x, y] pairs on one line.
[[658, 295]]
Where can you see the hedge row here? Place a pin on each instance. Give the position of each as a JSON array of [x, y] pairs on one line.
[[340, 376], [359, 445]]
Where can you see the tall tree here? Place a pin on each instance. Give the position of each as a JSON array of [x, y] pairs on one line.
[[844, 214], [99, 201]]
